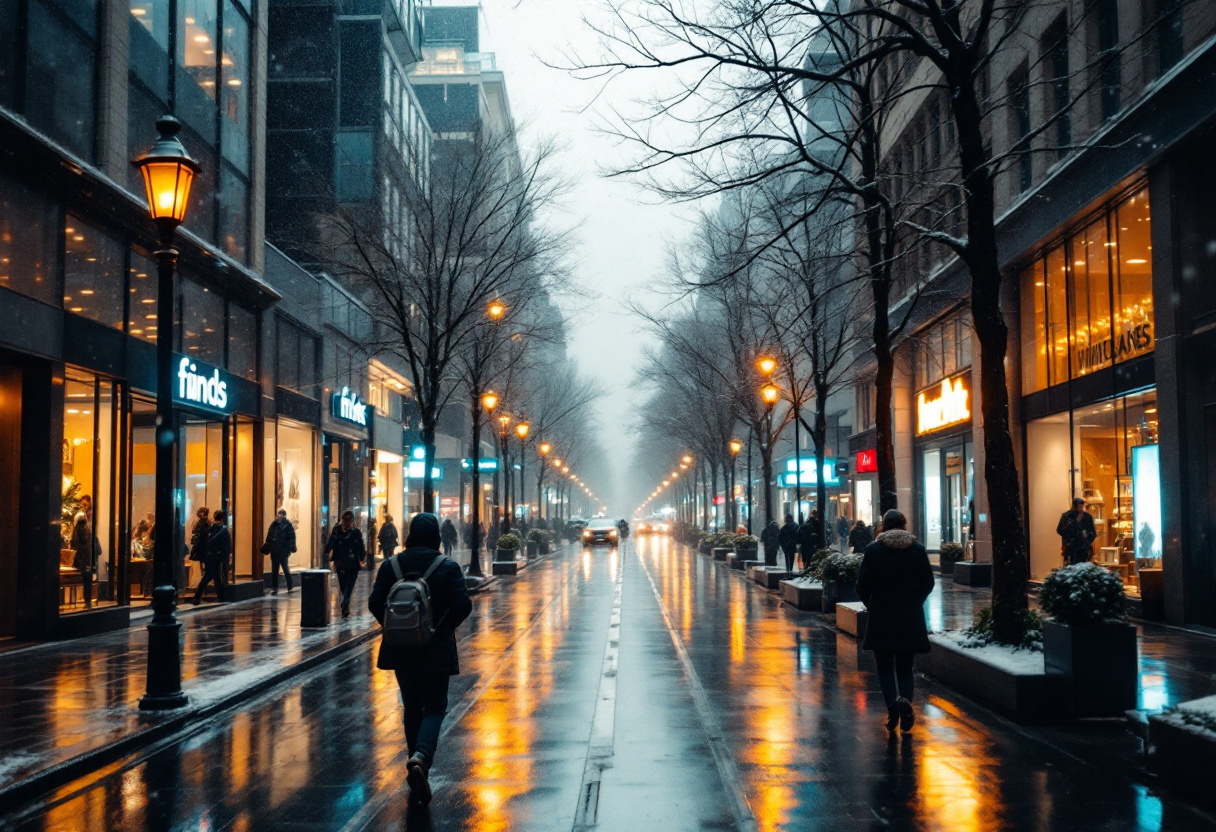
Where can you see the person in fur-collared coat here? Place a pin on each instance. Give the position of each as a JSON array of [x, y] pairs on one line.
[[894, 581]]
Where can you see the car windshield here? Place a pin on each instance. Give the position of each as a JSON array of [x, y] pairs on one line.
[[602, 524]]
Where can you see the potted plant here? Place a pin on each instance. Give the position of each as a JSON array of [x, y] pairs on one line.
[[538, 542], [1088, 641], [705, 542], [950, 554], [508, 547], [838, 574], [747, 546], [723, 544]]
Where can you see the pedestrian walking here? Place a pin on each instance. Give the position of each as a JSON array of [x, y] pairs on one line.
[[423, 673], [280, 545], [894, 581], [492, 538], [769, 538], [199, 533], [843, 529], [787, 538], [860, 538], [388, 538], [1077, 533], [449, 537], [86, 550], [215, 562], [345, 548], [808, 540]]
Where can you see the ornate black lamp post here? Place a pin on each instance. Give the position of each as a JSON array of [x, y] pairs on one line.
[[168, 174]]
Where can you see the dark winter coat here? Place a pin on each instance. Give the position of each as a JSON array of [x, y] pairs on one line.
[[1077, 533], [85, 545], [388, 538], [894, 581], [770, 534], [199, 535], [447, 533], [810, 538], [281, 538], [788, 536], [219, 546], [859, 539], [449, 599], [346, 549]]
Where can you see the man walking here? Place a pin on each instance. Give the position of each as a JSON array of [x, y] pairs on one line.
[[423, 673], [1077, 533], [345, 548], [215, 563], [388, 538], [280, 544], [787, 538], [447, 534]]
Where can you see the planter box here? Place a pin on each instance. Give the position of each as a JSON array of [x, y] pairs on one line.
[[753, 570], [1098, 664], [836, 592], [851, 618], [505, 555], [1026, 694], [970, 573], [243, 590], [720, 552], [1183, 756], [770, 577], [946, 563], [505, 567], [741, 560], [544, 548], [705, 548], [802, 597]]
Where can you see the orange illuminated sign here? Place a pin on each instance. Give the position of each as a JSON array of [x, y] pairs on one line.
[[940, 407]]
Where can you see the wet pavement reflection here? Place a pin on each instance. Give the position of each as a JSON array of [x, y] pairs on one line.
[[645, 689]]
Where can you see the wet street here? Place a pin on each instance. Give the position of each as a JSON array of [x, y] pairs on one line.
[[642, 690]]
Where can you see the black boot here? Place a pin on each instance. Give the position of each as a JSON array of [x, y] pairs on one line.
[[417, 776], [892, 717], [907, 716]]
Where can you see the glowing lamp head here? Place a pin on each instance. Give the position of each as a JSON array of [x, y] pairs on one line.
[[735, 447], [168, 172], [496, 310], [770, 393], [544, 448], [766, 364], [489, 400], [522, 430], [687, 460]]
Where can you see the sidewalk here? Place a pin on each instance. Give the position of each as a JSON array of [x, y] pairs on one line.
[[70, 707]]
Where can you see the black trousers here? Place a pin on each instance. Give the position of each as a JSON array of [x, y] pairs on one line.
[[789, 558], [895, 674], [346, 584], [86, 583], [278, 562], [213, 572], [426, 704]]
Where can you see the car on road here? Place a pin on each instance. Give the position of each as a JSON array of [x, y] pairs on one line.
[[601, 531]]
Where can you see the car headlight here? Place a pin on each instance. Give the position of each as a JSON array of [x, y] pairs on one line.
[[586, 533], [612, 532]]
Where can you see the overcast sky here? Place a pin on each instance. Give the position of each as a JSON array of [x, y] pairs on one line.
[[623, 231]]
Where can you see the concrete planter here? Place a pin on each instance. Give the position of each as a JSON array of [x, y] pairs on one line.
[[970, 573], [720, 552], [851, 618], [533, 549], [770, 577], [748, 554], [1098, 665], [1183, 756], [506, 567], [836, 592], [505, 555], [705, 549], [1025, 696], [544, 548], [802, 597]]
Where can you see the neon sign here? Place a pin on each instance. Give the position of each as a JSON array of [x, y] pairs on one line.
[[867, 461], [950, 407], [348, 406], [195, 386]]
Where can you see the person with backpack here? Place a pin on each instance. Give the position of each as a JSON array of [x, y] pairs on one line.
[[280, 544], [345, 548], [420, 598]]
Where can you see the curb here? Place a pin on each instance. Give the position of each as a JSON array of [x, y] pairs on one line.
[[61, 774]]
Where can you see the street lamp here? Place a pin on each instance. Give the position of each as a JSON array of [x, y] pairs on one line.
[[770, 394], [489, 401], [766, 364], [168, 173], [522, 430], [504, 431], [496, 310]]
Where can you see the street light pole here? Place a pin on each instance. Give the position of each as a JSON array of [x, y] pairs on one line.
[[521, 430], [750, 438], [168, 173]]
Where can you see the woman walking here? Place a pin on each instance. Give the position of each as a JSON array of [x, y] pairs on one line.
[[860, 538], [894, 581]]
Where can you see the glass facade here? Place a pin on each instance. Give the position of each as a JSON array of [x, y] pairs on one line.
[[1087, 303], [295, 468], [29, 242], [93, 274]]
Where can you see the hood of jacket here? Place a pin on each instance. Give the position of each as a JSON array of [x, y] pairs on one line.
[[424, 532], [897, 539]]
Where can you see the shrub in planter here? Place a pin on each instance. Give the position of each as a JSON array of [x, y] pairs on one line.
[[508, 546], [950, 554], [838, 573], [813, 569], [1088, 641], [747, 545], [540, 539]]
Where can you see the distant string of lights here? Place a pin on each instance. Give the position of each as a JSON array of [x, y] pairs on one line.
[[684, 464]]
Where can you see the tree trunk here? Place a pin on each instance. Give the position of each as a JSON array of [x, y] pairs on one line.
[[820, 437], [766, 462], [1009, 556], [428, 484], [884, 451], [475, 526]]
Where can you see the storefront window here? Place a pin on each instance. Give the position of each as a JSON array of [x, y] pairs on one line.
[[294, 486], [944, 349], [88, 561], [203, 323], [947, 474], [1091, 453], [29, 247], [92, 274], [141, 286], [1106, 271]]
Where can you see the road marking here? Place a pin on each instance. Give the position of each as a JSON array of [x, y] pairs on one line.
[[728, 772], [603, 722]]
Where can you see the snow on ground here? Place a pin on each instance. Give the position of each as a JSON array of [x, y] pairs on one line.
[[1019, 662], [13, 764], [805, 583]]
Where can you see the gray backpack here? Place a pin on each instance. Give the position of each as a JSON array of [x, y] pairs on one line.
[[408, 620]]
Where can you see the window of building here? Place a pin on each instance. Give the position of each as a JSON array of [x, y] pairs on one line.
[[92, 274], [1108, 64], [1054, 47], [234, 89], [1106, 271], [201, 334], [141, 304], [296, 367], [943, 350], [865, 397], [29, 243], [1019, 95], [242, 342], [61, 70], [1169, 32], [353, 169], [233, 203]]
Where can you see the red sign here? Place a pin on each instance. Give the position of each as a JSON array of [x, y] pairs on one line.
[[719, 500], [867, 461]]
